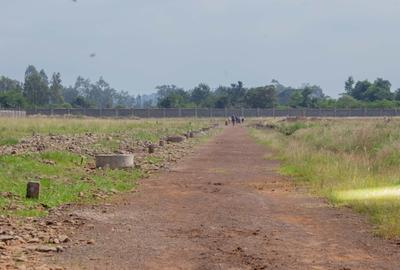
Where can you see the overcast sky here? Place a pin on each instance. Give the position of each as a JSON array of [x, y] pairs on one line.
[[142, 44]]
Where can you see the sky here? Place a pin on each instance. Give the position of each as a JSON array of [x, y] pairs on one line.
[[142, 44]]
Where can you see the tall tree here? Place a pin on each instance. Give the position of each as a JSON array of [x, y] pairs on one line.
[[7, 84], [171, 96], [56, 89], [36, 86], [307, 99], [261, 97], [70, 94], [44, 93], [360, 89], [379, 90], [237, 94], [348, 85], [222, 97], [296, 99], [200, 95]]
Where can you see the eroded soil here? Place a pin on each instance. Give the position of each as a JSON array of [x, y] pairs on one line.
[[224, 207]]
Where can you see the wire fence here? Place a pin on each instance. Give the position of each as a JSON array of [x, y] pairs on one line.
[[12, 113], [206, 113]]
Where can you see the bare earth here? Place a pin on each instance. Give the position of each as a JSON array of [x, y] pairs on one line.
[[225, 207]]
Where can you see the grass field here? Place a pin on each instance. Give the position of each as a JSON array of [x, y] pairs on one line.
[[353, 162], [11, 130], [65, 176]]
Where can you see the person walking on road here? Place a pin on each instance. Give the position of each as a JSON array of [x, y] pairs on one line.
[[233, 118]]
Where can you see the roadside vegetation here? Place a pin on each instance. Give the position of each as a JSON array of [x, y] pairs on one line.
[[351, 162], [68, 175], [11, 130]]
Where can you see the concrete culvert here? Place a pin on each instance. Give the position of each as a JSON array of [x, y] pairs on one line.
[[115, 161]]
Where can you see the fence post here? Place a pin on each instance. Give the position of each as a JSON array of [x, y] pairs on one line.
[[195, 112]]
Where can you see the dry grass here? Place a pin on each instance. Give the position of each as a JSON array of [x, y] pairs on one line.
[[352, 162], [11, 129]]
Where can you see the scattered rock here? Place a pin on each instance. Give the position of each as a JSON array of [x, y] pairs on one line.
[[64, 238], [33, 241], [46, 249], [4, 238], [175, 139], [91, 242]]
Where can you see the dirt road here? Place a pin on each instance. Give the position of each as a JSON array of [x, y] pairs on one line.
[[225, 207]]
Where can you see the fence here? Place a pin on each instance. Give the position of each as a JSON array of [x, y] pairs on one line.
[[11, 113], [204, 113]]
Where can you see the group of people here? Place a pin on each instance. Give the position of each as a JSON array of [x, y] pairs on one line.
[[234, 120]]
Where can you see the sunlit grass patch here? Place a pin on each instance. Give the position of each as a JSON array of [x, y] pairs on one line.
[[389, 193]]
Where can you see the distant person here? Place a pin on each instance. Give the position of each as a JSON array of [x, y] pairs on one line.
[[242, 120], [233, 118], [237, 119]]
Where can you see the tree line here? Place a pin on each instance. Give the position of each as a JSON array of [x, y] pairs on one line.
[[360, 94], [39, 91]]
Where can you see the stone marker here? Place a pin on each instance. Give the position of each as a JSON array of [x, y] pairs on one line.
[[152, 148], [115, 161], [33, 190]]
